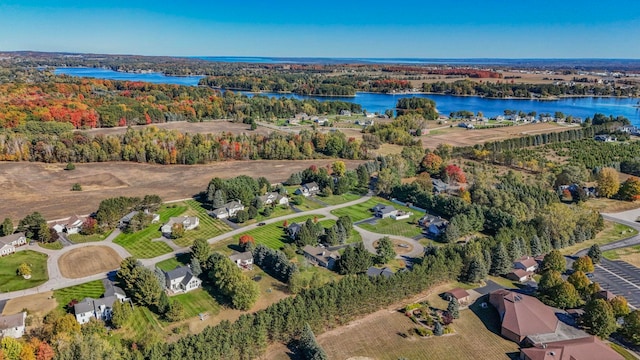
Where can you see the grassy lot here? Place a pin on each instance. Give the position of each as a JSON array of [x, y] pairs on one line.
[[170, 264], [196, 302], [141, 244], [312, 275], [56, 245], [407, 227], [278, 211], [309, 205], [273, 235], [611, 232], [385, 336], [363, 210], [630, 255], [610, 205], [79, 238], [92, 289], [208, 228], [143, 326], [10, 281], [339, 199]]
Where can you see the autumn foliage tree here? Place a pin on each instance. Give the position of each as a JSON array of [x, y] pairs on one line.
[[630, 189], [246, 241], [432, 163], [454, 173], [608, 183]]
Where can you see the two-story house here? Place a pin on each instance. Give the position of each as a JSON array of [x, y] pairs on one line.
[[12, 325], [187, 222], [181, 280], [308, 189], [227, 210]]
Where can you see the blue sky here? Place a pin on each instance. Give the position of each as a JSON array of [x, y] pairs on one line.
[[389, 29]]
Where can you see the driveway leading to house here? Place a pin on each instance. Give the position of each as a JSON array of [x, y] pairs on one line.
[[368, 238]]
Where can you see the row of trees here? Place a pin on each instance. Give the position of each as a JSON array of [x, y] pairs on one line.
[[111, 210]]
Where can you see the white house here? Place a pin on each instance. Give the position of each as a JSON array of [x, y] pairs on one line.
[[188, 223], [227, 210], [101, 309], [12, 325], [9, 243], [308, 189], [181, 279], [274, 198], [244, 260]]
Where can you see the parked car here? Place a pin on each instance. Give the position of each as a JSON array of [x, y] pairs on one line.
[[260, 224], [590, 275]]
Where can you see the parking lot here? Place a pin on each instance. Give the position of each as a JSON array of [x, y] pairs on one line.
[[620, 278]]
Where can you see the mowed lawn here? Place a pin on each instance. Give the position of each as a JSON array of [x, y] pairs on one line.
[[382, 336], [273, 235], [612, 232], [11, 281], [407, 227], [630, 255], [141, 245], [172, 263], [79, 238], [362, 211], [196, 302], [208, 228], [143, 326], [92, 289], [339, 199]]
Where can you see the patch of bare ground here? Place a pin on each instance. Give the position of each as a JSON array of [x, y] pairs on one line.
[[86, 261], [28, 187], [458, 136], [37, 304]]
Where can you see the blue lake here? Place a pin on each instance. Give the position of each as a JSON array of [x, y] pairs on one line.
[[582, 107]]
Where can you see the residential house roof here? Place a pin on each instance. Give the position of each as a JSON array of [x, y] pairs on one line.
[[520, 273], [7, 240], [243, 256], [177, 273], [219, 211], [311, 185], [458, 293], [127, 218], [12, 321], [86, 305], [523, 315], [587, 348], [374, 271], [112, 290], [526, 261], [320, 254]]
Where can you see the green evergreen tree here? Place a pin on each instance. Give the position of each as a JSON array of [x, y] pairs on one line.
[[7, 227], [385, 250], [308, 345], [536, 246], [454, 308], [196, 269], [598, 318], [201, 250], [477, 270], [595, 253], [120, 314], [355, 260], [437, 329], [500, 262], [219, 199]]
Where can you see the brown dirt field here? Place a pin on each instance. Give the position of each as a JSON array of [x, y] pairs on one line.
[[457, 136], [28, 187], [207, 127], [37, 304], [87, 261]]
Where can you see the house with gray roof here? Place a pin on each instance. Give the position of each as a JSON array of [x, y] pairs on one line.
[[181, 280], [308, 189], [433, 225], [321, 256], [187, 222], [374, 271], [12, 325], [384, 211], [9, 243], [227, 210], [274, 198], [244, 260], [88, 308], [293, 230]]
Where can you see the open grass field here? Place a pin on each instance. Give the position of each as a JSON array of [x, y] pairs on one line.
[[611, 205], [277, 211], [30, 186], [92, 289], [11, 281], [143, 327], [273, 235], [361, 211], [86, 261], [172, 263], [141, 245], [196, 302], [208, 228], [611, 232], [457, 136], [79, 238], [407, 227], [339, 199], [630, 255]]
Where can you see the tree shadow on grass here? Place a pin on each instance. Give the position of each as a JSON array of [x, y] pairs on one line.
[[487, 314]]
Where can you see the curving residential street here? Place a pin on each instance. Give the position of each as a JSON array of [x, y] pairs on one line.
[[57, 281]]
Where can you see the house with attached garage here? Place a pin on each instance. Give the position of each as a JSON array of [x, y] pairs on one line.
[[244, 260], [9, 243], [12, 325], [102, 308], [308, 189], [274, 198], [71, 226], [321, 256], [181, 280], [526, 263], [227, 210], [187, 222], [434, 225], [384, 211]]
